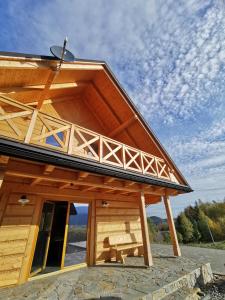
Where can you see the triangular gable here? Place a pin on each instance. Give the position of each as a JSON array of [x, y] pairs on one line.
[[110, 110]]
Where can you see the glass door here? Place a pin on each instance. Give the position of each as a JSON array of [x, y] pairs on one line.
[[43, 240], [76, 243]]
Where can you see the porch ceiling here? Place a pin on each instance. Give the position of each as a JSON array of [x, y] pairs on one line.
[[48, 179]]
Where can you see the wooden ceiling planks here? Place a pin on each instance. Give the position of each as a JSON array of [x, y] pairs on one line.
[[41, 174], [124, 112], [76, 111]]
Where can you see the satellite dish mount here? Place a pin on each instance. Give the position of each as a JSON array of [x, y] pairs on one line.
[[62, 53]]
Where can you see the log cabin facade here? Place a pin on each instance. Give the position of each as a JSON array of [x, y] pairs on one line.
[[74, 136]]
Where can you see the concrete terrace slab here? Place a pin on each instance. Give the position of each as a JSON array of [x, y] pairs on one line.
[[130, 281]]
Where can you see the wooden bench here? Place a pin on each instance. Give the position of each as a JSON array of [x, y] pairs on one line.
[[119, 243]]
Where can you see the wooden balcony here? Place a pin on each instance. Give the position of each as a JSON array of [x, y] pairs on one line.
[[27, 125]]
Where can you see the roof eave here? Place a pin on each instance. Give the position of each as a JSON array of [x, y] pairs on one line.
[[34, 153]]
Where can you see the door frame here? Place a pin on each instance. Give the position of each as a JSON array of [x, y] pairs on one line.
[[90, 236], [41, 268]]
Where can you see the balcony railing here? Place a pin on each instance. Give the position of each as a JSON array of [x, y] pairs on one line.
[[28, 125]]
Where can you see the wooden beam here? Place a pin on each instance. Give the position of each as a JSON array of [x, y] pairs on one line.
[[92, 236], [67, 177], [48, 169], [2, 174], [123, 126], [88, 189], [173, 234], [31, 127], [82, 175], [4, 160], [107, 180], [129, 183], [70, 194], [35, 181], [3, 165], [11, 123], [53, 100], [43, 93], [110, 107], [41, 87], [65, 185], [145, 233]]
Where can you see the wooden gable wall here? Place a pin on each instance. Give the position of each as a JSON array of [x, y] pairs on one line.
[[97, 103]]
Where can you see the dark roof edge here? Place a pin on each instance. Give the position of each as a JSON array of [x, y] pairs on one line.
[[48, 57], [34, 153]]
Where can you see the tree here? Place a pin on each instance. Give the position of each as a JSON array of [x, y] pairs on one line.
[[192, 213], [179, 237], [152, 230], [196, 233], [185, 227], [203, 226]]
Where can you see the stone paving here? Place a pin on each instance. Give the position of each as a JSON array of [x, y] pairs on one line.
[[109, 281]]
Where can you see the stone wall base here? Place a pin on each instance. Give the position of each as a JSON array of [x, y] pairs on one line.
[[196, 278]]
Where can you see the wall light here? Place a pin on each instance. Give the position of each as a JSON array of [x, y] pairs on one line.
[[23, 200], [105, 204]]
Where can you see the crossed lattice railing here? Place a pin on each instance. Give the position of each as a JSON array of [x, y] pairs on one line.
[[28, 125]]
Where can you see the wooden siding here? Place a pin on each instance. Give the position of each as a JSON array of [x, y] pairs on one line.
[[17, 233], [120, 217]]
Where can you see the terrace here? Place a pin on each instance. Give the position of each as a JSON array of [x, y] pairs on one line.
[[27, 125]]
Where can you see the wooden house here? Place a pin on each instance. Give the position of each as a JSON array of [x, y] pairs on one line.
[[74, 136]]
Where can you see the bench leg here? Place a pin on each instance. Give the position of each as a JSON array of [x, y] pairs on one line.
[[121, 257], [140, 251], [112, 253], [118, 255]]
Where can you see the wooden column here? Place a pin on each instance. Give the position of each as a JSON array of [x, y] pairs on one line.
[[92, 234], [65, 235], [145, 233], [3, 166], [173, 234], [31, 127]]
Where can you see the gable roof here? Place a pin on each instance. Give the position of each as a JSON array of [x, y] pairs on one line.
[[105, 74]]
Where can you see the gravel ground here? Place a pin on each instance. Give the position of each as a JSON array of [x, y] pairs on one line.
[[202, 255], [216, 289]]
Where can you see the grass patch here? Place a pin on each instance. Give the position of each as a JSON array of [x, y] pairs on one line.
[[217, 245]]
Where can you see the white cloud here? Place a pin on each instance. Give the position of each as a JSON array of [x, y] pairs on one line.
[[169, 55]]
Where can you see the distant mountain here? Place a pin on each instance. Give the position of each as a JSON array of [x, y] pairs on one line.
[[81, 218], [157, 220], [82, 209]]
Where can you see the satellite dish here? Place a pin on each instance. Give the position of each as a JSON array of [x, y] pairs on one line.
[[62, 53]]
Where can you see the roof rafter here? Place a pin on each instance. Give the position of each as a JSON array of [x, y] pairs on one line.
[[123, 126]]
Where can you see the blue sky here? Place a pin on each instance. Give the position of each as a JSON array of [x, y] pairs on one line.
[[168, 55]]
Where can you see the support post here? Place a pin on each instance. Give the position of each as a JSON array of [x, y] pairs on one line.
[[31, 127], [145, 233], [3, 166], [173, 234], [92, 234]]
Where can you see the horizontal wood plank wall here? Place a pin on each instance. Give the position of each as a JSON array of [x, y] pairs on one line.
[[120, 217], [16, 239]]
